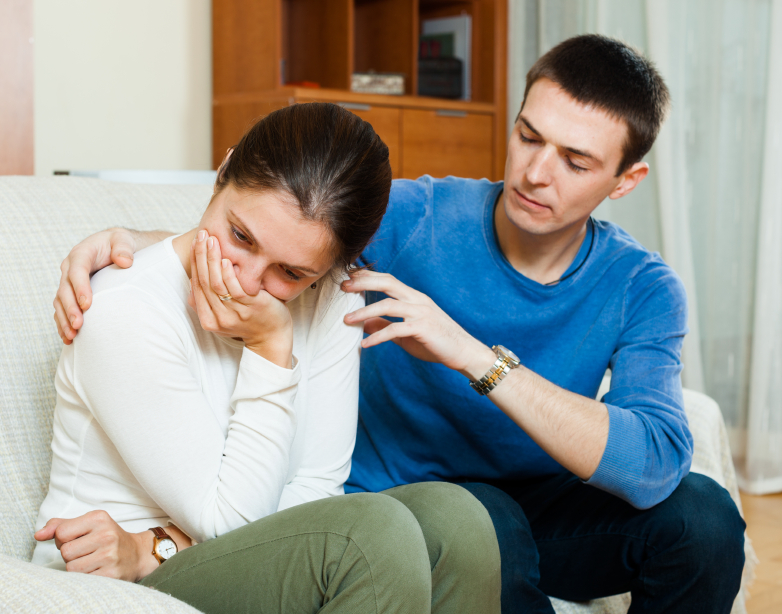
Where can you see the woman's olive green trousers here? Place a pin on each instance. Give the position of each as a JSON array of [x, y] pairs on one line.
[[419, 548]]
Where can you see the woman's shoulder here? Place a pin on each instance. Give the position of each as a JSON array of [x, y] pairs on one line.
[[153, 290]]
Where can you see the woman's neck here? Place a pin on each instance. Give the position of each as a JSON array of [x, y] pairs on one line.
[[182, 246]]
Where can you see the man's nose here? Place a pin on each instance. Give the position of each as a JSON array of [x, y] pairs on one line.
[[539, 169]]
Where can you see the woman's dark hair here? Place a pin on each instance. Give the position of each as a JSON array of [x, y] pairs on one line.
[[604, 72], [330, 160]]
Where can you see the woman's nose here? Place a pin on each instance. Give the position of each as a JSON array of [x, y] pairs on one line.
[[250, 278]]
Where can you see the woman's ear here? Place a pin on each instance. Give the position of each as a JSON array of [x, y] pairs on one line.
[[222, 167]]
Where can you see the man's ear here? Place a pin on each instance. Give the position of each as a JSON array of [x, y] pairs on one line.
[[629, 179]]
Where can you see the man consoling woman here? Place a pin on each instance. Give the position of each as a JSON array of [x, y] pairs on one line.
[[206, 413]]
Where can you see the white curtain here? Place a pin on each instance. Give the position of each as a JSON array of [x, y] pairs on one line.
[[712, 204]]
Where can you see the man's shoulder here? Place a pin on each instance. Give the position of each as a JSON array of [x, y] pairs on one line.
[[426, 191], [647, 277]]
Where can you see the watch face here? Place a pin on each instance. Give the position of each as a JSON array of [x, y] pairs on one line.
[[513, 358], [166, 548]]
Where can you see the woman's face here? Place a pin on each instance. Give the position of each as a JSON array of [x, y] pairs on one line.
[[272, 247]]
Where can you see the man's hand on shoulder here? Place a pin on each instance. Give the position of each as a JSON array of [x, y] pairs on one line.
[[427, 332], [74, 296]]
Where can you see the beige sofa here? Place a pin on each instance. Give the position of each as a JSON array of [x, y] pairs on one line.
[[40, 219]]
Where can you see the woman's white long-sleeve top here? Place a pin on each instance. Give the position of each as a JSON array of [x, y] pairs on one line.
[[158, 420]]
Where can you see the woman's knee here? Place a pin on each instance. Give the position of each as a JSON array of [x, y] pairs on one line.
[[457, 527]]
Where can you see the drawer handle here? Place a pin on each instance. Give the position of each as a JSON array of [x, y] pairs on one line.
[[354, 106], [450, 113]]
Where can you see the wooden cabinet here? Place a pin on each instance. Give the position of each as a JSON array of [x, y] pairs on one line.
[[442, 142], [260, 45]]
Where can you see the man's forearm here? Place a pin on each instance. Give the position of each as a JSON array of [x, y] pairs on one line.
[[571, 428]]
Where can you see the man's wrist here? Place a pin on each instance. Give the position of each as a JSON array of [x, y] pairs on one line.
[[481, 359]]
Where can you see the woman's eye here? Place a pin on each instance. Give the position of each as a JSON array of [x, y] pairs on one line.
[[524, 139], [291, 274], [238, 234]]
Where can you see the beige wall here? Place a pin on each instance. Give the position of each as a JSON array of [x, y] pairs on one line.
[[122, 84]]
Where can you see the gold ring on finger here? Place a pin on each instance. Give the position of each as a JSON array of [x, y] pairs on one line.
[[224, 297]]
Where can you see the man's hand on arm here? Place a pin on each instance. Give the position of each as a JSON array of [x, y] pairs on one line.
[[74, 296], [571, 428]]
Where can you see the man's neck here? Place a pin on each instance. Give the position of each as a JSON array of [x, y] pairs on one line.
[[541, 258]]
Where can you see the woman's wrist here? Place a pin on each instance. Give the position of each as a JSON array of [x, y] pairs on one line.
[[147, 563], [145, 542], [277, 349]]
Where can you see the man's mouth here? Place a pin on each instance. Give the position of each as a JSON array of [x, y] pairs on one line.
[[532, 204]]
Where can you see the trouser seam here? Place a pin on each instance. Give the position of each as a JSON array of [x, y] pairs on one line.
[[350, 539]]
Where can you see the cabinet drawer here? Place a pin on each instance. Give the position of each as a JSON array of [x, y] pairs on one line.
[[441, 143], [385, 121]]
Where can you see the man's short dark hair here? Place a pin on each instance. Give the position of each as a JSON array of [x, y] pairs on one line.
[[610, 75]]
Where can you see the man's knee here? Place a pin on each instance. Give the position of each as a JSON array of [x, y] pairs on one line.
[[702, 522]]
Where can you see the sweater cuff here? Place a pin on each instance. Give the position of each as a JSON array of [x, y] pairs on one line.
[[266, 375], [622, 466]]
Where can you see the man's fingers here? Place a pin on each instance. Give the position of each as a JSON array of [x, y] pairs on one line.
[[363, 281], [387, 307], [375, 324], [80, 266], [63, 325], [121, 254], [394, 330]]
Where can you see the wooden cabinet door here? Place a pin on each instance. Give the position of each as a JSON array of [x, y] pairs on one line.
[[441, 143]]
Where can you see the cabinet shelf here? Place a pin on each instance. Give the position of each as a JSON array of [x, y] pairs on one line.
[[259, 45]]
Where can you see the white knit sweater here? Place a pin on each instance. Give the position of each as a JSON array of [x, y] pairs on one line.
[[158, 420]]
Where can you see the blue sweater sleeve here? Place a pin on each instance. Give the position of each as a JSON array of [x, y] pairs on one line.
[[649, 448]]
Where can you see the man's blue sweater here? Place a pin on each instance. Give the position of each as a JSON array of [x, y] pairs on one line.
[[623, 308]]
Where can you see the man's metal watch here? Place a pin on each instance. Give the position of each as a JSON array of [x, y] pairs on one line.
[[506, 360]]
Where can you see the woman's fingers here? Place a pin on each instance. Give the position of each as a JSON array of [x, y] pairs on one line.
[[213, 260], [231, 282], [78, 548], [203, 308]]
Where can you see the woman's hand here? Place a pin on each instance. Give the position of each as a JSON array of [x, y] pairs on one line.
[[427, 332], [262, 321], [95, 544]]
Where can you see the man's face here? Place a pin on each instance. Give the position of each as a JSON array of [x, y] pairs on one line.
[[562, 161]]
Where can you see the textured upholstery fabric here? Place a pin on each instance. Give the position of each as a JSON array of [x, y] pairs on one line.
[[41, 219], [28, 589]]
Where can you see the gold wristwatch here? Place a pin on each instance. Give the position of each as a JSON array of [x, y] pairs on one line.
[[163, 547], [506, 360]]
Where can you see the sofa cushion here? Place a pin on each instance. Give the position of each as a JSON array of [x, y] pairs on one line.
[[28, 589]]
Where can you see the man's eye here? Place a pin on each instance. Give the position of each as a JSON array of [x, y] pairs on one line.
[[577, 169]]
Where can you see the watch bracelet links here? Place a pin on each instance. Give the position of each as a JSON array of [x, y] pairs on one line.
[[493, 377]]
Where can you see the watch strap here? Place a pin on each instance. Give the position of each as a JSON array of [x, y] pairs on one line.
[[501, 367]]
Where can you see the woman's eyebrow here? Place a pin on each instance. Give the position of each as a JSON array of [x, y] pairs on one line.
[[250, 236]]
